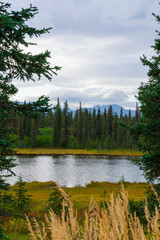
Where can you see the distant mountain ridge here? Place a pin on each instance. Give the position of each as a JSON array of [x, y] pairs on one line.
[[116, 109]]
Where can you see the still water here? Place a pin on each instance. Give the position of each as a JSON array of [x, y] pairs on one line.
[[74, 170]]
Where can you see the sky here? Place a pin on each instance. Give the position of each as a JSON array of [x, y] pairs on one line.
[[98, 44]]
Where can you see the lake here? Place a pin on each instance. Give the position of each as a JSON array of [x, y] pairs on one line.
[[71, 171]]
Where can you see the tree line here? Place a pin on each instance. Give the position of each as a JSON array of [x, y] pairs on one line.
[[60, 128]]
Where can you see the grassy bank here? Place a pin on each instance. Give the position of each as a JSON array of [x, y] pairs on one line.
[[81, 196], [53, 151], [116, 221]]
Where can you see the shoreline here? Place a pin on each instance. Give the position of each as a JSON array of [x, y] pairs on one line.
[[80, 152]]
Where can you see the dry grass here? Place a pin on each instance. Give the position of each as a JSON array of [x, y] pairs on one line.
[[80, 196], [113, 223], [53, 151]]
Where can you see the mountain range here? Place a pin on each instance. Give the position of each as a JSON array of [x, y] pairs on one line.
[[116, 109]]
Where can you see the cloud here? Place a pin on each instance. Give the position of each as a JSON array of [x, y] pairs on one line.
[[98, 43], [90, 97]]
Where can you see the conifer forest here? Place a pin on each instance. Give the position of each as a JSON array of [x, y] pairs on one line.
[[62, 128]]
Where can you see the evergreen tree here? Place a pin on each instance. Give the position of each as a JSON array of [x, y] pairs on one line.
[[43, 120], [89, 124], [55, 201], [75, 124], [125, 140], [93, 131], [104, 124], [15, 124], [28, 127], [121, 114], [17, 63], [86, 127], [98, 125], [110, 119], [6, 163], [137, 115], [57, 125], [23, 199], [80, 125], [147, 130], [115, 129], [129, 118], [65, 126], [121, 129], [21, 130], [50, 119], [70, 115], [33, 133]]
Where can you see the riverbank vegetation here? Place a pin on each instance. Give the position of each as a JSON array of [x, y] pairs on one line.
[[126, 198], [80, 196], [115, 221], [35, 198], [63, 151]]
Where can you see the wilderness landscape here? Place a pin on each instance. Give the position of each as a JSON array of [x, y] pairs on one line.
[[79, 155]]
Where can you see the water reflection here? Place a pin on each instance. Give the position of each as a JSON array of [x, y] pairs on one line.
[[73, 171]]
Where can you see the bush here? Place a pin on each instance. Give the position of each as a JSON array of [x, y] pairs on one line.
[[44, 141]]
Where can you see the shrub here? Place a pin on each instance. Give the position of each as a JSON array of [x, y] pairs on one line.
[[44, 141]]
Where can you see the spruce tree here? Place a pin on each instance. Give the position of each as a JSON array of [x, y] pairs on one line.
[[121, 129], [98, 125], [33, 133], [86, 128], [110, 120], [65, 126], [104, 124], [93, 130], [89, 124], [137, 115], [21, 130], [115, 129], [129, 118], [15, 63], [75, 124], [147, 130], [50, 119], [80, 125], [57, 125], [23, 199]]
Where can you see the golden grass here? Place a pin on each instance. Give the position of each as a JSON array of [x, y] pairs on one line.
[[53, 151], [80, 196], [113, 223]]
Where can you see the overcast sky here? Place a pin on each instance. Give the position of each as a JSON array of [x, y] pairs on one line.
[[98, 43]]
